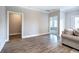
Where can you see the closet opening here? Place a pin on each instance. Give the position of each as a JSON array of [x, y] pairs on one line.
[[14, 27]]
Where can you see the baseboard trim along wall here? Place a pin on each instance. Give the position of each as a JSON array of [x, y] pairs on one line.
[[15, 34], [7, 40], [2, 45], [29, 36]]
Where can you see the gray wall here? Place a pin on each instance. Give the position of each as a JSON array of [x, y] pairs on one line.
[[2, 27], [69, 19], [62, 21], [43, 23], [35, 22]]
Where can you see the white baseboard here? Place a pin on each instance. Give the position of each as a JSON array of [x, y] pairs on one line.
[[15, 33], [2, 45], [34, 35], [7, 40]]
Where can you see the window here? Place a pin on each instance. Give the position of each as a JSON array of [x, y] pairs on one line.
[[53, 21], [53, 28], [76, 21]]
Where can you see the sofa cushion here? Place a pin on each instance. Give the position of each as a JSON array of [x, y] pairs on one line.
[[70, 37], [68, 31], [76, 32]]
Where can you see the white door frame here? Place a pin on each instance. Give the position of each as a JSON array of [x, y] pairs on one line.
[[22, 20]]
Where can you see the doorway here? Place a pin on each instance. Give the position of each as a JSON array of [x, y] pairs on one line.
[[14, 25], [53, 26]]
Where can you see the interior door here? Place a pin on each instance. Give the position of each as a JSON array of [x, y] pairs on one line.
[[53, 27]]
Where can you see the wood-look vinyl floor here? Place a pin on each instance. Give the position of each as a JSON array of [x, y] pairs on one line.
[[39, 44]]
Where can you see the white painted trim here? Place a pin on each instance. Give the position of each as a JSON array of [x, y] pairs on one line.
[[22, 25], [7, 40], [29, 36], [35, 9], [7, 26], [2, 45], [8, 23], [15, 33]]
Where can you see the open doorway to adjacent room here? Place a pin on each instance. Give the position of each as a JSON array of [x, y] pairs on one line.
[[14, 25], [53, 25]]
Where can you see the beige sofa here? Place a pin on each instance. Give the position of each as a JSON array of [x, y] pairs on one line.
[[70, 39]]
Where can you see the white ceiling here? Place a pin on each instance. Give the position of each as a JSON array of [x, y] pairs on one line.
[[45, 7], [48, 9]]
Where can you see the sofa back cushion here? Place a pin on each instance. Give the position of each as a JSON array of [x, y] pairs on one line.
[[76, 32], [68, 31]]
